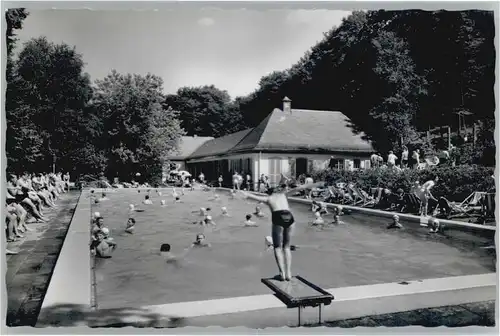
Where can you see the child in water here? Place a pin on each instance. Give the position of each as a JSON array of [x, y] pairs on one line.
[[318, 221], [224, 212], [249, 222], [200, 241], [130, 225], [258, 212], [147, 201]]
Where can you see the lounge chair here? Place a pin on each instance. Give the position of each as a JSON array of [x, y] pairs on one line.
[[361, 198], [412, 203], [450, 210]]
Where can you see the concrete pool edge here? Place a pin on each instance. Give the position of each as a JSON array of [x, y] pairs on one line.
[[341, 294], [69, 289], [389, 214], [70, 284]]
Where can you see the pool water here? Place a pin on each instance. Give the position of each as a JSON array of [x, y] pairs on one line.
[[360, 252]]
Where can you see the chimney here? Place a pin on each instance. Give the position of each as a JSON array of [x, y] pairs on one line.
[[195, 136], [287, 105]]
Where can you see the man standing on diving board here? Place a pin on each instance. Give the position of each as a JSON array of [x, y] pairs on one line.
[[282, 220]]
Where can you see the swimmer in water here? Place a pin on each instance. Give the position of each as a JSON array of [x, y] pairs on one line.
[[248, 221], [395, 223], [232, 194], [318, 221], [103, 197], [224, 212], [130, 226], [163, 202], [258, 212], [208, 221], [101, 247], [169, 257], [147, 201], [200, 241], [203, 211], [282, 224], [215, 198], [158, 192]]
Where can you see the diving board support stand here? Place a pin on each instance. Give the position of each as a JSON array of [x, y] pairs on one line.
[[299, 293]]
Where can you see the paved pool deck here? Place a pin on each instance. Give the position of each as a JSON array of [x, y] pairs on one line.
[[28, 272]]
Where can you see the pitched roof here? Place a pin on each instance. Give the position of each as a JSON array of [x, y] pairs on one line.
[[307, 130], [220, 145], [187, 146]]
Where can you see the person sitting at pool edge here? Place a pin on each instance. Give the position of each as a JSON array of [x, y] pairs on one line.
[[248, 221], [282, 224], [147, 201]]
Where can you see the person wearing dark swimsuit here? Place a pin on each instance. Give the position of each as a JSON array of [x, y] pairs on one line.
[[282, 224]]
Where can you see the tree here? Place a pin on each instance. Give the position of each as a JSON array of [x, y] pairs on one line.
[[206, 111], [139, 131], [400, 88], [14, 18], [47, 100]]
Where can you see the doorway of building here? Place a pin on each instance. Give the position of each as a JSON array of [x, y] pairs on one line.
[[300, 167]]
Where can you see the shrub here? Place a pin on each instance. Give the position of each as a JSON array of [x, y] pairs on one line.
[[455, 183]]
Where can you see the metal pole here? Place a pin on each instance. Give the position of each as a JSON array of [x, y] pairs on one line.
[[300, 310], [449, 137], [320, 305]]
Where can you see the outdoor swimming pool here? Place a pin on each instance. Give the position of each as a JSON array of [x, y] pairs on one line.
[[360, 252]]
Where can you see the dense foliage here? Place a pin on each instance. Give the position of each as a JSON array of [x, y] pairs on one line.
[[206, 111], [455, 183]]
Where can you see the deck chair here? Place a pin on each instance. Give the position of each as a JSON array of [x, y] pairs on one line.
[[412, 203], [473, 200], [364, 198], [451, 210]]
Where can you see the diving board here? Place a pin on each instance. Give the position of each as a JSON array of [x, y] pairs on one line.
[[299, 293]]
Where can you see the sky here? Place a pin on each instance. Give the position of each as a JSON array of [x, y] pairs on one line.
[[231, 49]]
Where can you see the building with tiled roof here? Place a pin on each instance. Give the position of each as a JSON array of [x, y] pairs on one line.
[[288, 141]]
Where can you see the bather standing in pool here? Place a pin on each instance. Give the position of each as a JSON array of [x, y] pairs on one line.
[[282, 224]]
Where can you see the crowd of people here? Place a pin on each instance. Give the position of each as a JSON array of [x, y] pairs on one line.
[[407, 161], [28, 196]]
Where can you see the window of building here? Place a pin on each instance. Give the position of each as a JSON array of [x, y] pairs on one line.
[[337, 164], [357, 163]]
